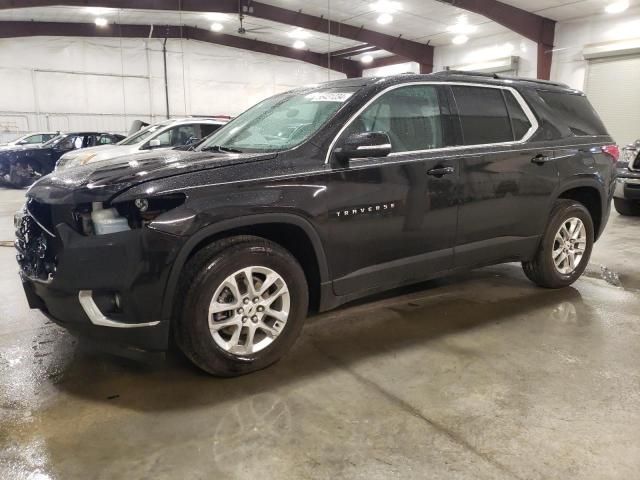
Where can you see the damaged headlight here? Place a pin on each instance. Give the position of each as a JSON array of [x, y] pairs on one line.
[[102, 218]]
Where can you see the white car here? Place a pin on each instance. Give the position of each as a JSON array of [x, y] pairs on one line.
[[166, 134], [30, 139]]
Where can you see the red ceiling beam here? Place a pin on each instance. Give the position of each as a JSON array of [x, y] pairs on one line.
[[11, 29], [534, 27], [417, 52]]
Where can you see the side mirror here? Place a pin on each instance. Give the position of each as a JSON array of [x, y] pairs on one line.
[[364, 145], [155, 143]]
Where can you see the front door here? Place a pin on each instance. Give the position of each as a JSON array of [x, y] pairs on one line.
[[392, 220]]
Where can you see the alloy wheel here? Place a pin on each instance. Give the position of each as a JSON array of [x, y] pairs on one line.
[[569, 245], [249, 310]]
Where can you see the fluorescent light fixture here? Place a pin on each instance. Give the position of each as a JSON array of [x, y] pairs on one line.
[[217, 27], [217, 17], [299, 44], [98, 10], [385, 19], [299, 33], [101, 22], [617, 7], [366, 59], [459, 39], [386, 6], [462, 28]]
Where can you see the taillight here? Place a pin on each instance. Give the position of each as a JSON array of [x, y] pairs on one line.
[[613, 151]]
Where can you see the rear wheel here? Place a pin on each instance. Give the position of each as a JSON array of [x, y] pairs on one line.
[[626, 207], [246, 299], [565, 247]]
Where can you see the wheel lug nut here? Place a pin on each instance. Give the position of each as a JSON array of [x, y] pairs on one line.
[[241, 310], [244, 319], [246, 301], [254, 319], [261, 308], [256, 300]]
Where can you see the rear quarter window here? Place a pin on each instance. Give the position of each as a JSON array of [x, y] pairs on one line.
[[575, 111]]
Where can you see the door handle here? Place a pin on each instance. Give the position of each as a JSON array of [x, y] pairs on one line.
[[441, 171], [541, 159]]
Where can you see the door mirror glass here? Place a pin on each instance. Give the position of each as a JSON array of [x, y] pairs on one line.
[[364, 145], [155, 143]]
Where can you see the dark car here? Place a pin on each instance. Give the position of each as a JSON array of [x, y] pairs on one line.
[[20, 166], [626, 197], [314, 198]]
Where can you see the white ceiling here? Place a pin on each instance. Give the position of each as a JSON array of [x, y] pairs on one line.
[[420, 20]]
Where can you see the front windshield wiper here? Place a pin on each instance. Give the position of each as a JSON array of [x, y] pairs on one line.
[[220, 148]]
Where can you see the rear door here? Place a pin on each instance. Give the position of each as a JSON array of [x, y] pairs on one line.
[[505, 181], [392, 220]]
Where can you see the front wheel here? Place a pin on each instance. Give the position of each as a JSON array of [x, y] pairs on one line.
[[626, 207], [246, 299], [565, 247]]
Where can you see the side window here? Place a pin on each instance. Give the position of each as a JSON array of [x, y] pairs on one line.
[[576, 111], [207, 129], [34, 139], [519, 120], [177, 136], [409, 115], [68, 143], [483, 115]]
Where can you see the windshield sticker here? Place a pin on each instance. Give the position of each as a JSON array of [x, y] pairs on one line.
[[329, 96]]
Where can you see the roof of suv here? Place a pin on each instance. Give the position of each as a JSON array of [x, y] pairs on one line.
[[452, 76]]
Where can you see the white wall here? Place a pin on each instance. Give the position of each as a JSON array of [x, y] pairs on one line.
[[51, 83], [571, 37], [489, 48], [412, 67]]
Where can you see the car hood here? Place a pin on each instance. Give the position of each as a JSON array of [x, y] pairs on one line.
[[94, 154], [100, 181]]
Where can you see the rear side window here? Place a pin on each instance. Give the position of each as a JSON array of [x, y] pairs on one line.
[[207, 129], [575, 111], [519, 120], [483, 115]]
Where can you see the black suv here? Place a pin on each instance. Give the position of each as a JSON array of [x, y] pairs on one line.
[[313, 198]]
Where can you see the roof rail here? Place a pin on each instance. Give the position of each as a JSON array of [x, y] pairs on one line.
[[471, 73]]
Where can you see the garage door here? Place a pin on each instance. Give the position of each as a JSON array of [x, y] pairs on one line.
[[613, 88]]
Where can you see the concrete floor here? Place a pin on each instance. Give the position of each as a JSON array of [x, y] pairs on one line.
[[480, 376]]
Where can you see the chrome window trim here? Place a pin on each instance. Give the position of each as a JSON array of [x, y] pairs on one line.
[[523, 104]]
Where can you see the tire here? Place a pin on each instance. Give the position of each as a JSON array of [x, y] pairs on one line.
[[626, 207], [207, 274], [542, 269]]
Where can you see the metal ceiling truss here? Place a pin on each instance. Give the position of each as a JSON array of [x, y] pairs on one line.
[[415, 51]]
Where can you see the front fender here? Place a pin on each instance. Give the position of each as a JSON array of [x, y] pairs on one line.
[[213, 230]]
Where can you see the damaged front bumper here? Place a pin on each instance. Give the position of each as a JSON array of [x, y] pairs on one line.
[[107, 287]]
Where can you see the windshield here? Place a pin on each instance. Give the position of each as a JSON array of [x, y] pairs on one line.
[[280, 122], [144, 134]]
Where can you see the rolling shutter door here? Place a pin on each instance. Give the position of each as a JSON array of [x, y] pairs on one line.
[[613, 87]]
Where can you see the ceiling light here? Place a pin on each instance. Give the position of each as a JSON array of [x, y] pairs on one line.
[[386, 6], [617, 7], [299, 44], [385, 19], [459, 39], [462, 28], [98, 10], [217, 27], [366, 59], [299, 33], [101, 22], [217, 17]]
